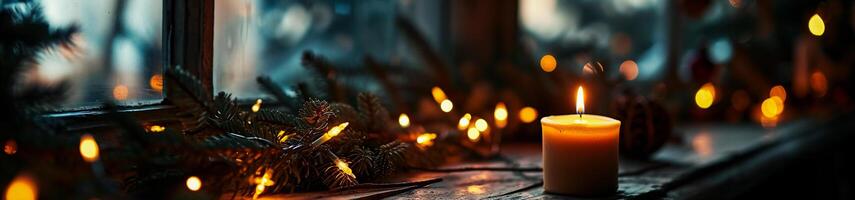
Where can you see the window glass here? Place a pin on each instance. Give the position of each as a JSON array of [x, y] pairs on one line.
[[610, 32], [267, 38], [117, 53]]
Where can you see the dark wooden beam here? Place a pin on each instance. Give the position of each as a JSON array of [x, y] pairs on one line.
[[189, 39]]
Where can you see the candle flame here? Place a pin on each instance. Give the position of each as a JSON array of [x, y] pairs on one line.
[[88, 148], [256, 106], [501, 115], [404, 120], [580, 101], [334, 131], [262, 182], [22, 187], [344, 168], [194, 183], [464, 122]]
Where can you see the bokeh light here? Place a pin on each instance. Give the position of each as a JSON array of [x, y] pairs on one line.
[[22, 188], [404, 120], [528, 114], [88, 148], [705, 96], [816, 25], [778, 91], [818, 83], [194, 183], [629, 69], [548, 63], [446, 105]]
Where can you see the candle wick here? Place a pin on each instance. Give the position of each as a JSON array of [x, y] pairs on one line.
[[580, 115]]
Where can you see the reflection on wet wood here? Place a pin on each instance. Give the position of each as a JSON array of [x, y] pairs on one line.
[[675, 168]]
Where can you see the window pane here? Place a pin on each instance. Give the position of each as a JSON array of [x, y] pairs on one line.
[[609, 32], [117, 54], [258, 37]]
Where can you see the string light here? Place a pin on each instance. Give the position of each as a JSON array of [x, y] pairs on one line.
[[548, 63], [22, 188], [88, 148], [816, 25], [194, 183], [464, 122], [257, 106], [446, 105], [438, 94], [481, 125], [156, 128], [282, 137], [10, 147], [344, 168], [501, 115], [262, 182], [778, 91], [425, 139], [404, 120], [528, 114], [772, 107], [705, 96], [473, 134], [334, 131]]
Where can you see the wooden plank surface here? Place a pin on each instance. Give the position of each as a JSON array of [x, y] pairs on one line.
[[699, 154]]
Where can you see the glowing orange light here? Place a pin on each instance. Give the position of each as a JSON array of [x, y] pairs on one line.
[[10, 147], [772, 107], [705, 96], [816, 25], [501, 115], [262, 182], [438, 94], [481, 125], [404, 120], [120, 92], [334, 131], [580, 100], [475, 189], [426, 139], [257, 106], [702, 144], [156, 128], [778, 91], [344, 168], [818, 83], [446, 105], [88, 148], [629, 69], [528, 114], [464, 122], [156, 82], [194, 183], [548, 63], [473, 134], [22, 187]]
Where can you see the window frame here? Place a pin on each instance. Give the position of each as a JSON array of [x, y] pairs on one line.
[[188, 42]]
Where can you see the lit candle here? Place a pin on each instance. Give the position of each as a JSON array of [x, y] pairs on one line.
[[580, 153]]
